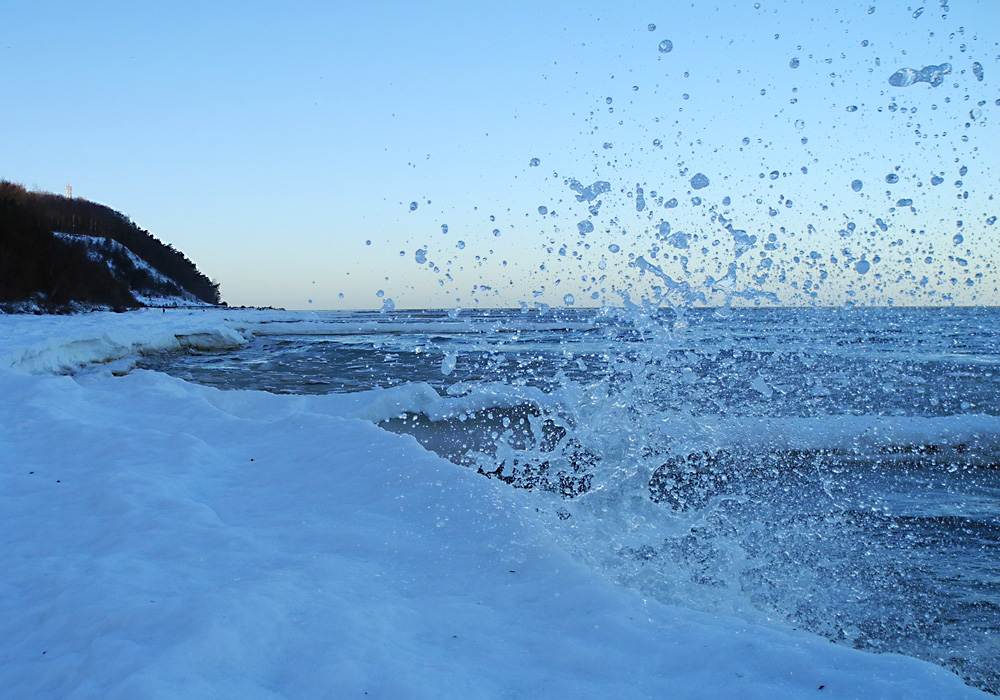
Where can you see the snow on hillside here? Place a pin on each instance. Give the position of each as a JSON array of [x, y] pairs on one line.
[[161, 539], [100, 249]]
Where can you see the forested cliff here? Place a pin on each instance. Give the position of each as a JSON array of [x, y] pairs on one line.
[[105, 261]]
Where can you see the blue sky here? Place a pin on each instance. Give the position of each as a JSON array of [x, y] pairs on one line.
[[272, 144]]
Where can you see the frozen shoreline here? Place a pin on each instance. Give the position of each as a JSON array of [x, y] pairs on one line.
[[167, 539]]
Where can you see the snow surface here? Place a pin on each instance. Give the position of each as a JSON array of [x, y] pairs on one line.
[[161, 539]]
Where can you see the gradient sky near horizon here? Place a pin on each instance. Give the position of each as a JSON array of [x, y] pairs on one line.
[[312, 154]]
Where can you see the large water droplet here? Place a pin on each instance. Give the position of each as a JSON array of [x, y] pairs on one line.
[[651, 27], [774, 174], [666, 46], [958, 239], [856, 185], [862, 266], [936, 180], [460, 245], [420, 256], [444, 228], [569, 300], [614, 248], [699, 181], [413, 206], [794, 63], [919, 11], [977, 70], [799, 124], [584, 227], [852, 108], [534, 162], [933, 75], [892, 178], [543, 210]]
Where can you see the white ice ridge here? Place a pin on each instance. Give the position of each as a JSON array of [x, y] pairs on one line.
[[57, 343], [864, 435]]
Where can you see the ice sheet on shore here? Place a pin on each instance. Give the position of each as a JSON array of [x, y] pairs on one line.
[[162, 539]]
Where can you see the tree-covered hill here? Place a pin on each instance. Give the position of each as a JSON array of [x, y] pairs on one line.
[[106, 260]]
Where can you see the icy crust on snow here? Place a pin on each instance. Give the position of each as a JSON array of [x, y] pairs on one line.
[[65, 343], [162, 539]]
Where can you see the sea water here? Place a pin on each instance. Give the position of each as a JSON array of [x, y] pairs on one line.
[[828, 469]]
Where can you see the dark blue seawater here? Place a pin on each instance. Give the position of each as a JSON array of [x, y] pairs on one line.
[[836, 470]]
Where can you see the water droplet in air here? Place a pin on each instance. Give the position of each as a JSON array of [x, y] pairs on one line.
[[496, 232], [992, 220], [614, 248], [420, 256], [543, 210], [871, 10], [413, 206], [460, 245], [666, 46], [444, 228], [856, 185], [892, 178], [368, 242], [852, 108], [933, 75], [862, 266], [651, 27], [584, 227], [977, 70], [774, 174], [794, 63], [958, 239], [919, 11], [936, 180], [569, 300], [341, 295], [799, 124], [904, 203], [380, 294], [699, 181], [534, 162]]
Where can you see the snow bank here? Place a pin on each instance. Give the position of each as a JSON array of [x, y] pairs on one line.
[[162, 540], [64, 343]]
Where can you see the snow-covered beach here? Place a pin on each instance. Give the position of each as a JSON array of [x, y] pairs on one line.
[[162, 539]]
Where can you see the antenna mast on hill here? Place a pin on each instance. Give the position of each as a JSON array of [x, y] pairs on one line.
[[69, 191]]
